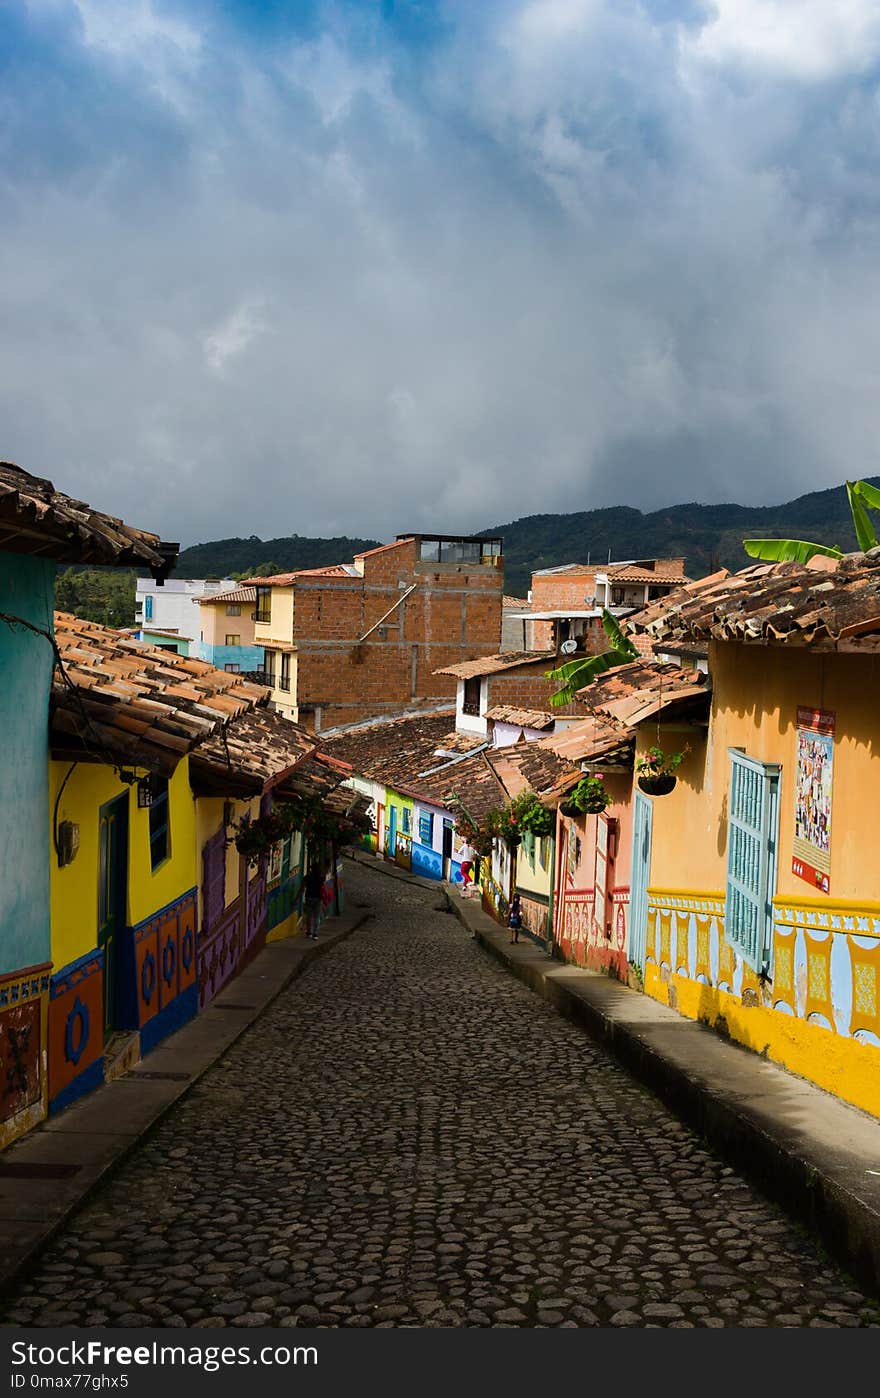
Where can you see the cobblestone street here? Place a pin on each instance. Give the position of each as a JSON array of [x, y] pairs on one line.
[[409, 1137]]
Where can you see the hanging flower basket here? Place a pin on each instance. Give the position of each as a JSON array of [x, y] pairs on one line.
[[513, 841], [589, 797], [659, 785]]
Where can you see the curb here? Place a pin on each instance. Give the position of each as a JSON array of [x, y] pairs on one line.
[[803, 1147], [25, 1238]]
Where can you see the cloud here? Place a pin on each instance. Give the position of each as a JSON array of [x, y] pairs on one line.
[[308, 269]]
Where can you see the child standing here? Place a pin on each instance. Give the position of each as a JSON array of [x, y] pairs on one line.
[[514, 918]]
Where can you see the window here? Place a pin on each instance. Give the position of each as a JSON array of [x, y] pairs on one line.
[[269, 666], [148, 609], [406, 820], [751, 857], [233, 640], [158, 821], [234, 609], [284, 682], [472, 691], [264, 604], [232, 669], [426, 828]]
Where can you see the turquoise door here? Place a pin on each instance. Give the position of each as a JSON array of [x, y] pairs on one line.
[[112, 900], [643, 813], [391, 832]]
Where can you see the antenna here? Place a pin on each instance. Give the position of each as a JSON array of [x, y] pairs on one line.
[[609, 555], [588, 558]]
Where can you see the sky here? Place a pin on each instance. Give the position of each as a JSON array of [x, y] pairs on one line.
[[286, 266]]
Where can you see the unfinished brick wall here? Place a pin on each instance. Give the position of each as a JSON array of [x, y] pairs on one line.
[[555, 592], [528, 688], [453, 614]]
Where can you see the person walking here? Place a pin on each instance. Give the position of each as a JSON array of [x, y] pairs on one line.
[[313, 887], [467, 857]]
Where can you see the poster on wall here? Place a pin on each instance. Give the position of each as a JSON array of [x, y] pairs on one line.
[[811, 856]]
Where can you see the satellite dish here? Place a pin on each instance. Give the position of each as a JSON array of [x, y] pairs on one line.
[[569, 647]]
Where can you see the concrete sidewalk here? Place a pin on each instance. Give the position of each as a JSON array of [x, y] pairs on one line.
[[818, 1157], [46, 1176]]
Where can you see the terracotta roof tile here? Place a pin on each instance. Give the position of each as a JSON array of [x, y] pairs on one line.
[[494, 664], [391, 751], [137, 704], [776, 604], [35, 518], [259, 749], [235, 595], [525, 718]]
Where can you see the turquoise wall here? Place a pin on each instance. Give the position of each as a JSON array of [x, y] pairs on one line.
[[247, 657], [26, 590]]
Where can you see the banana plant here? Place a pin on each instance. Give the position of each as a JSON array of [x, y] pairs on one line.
[[862, 497], [575, 674]]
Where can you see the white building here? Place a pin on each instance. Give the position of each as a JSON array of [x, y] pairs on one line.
[[175, 606]]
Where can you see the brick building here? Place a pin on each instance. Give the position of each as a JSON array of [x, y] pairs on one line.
[[366, 638], [567, 602], [493, 687]]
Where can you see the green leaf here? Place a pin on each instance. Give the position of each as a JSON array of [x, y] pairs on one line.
[[868, 493], [577, 674], [619, 642], [787, 550], [865, 535]]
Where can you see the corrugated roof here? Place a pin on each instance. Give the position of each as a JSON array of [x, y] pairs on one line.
[[820, 604], [525, 718], [135, 703], [37, 519], [494, 664]]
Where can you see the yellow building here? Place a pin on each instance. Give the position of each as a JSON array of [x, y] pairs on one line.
[[155, 759], [757, 873]]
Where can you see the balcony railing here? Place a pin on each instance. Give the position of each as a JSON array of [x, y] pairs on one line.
[[284, 683], [263, 677]]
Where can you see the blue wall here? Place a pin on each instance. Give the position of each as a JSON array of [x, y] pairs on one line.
[[247, 657], [26, 590]]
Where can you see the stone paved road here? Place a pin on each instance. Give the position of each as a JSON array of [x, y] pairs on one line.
[[409, 1137]]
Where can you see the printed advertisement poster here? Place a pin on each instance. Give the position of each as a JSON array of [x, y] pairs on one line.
[[811, 859]]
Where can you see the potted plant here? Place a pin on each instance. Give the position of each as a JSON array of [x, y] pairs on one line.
[[478, 836], [656, 771], [589, 797], [525, 815]]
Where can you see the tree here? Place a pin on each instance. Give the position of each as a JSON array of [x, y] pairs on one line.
[[106, 596], [862, 497], [576, 674]]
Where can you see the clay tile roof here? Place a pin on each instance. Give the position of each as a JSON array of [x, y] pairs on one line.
[[456, 742], [525, 718], [382, 548], [392, 751], [494, 664], [259, 748], [634, 692], [332, 570], [137, 704], [236, 594], [319, 775], [35, 518], [593, 738], [534, 767], [471, 785], [776, 604], [635, 572], [519, 603]]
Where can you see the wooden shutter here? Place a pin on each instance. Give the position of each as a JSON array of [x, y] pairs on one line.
[[751, 856]]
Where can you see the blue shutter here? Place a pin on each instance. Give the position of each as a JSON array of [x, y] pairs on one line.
[[751, 856]]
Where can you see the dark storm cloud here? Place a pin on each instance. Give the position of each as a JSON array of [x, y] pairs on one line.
[[436, 265]]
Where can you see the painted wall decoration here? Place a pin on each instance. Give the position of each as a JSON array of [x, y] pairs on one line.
[[160, 972], [811, 850], [76, 1030], [22, 1050], [427, 861]]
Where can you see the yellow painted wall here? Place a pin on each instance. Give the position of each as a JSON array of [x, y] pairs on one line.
[[74, 889], [819, 1015], [537, 877], [756, 694], [209, 818], [279, 627]]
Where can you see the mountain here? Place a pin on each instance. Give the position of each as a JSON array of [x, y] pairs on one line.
[[706, 535], [222, 557]]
